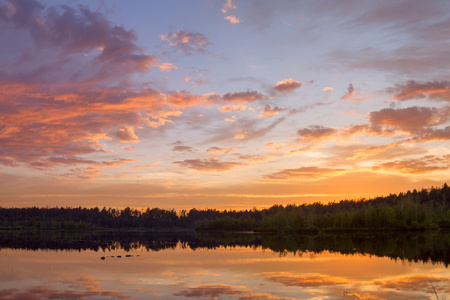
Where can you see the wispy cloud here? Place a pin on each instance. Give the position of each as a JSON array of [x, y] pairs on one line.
[[270, 112], [208, 165], [211, 291], [187, 42], [352, 95], [227, 6], [308, 173], [426, 164]]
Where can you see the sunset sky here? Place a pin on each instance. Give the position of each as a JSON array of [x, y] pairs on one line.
[[221, 104]]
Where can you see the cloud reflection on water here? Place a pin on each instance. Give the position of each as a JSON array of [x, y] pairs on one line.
[[214, 273]]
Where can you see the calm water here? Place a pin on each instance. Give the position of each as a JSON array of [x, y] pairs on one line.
[[222, 266]]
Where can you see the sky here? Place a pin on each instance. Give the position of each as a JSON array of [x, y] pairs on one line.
[[221, 104]]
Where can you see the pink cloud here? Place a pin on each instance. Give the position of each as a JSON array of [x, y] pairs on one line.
[[316, 133], [126, 135]]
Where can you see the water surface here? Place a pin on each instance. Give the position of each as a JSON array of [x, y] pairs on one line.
[[222, 266]]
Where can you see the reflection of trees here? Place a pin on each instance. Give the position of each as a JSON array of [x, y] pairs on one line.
[[412, 247], [426, 247]]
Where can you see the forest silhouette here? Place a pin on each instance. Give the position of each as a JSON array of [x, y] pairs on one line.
[[427, 209]]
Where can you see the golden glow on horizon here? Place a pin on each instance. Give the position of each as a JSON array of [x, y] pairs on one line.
[[225, 109]]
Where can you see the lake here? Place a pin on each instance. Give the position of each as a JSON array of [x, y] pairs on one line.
[[106, 265]]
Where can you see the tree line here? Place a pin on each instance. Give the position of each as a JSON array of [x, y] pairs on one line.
[[413, 210]]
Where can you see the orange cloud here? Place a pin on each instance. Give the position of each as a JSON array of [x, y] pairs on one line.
[[227, 6], [218, 151], [388, 151], [435, 90], [269, 112], [351, 95], [208, 165], [185, 98], [426, 164], [231, 120], [233, 19], [279, 147], [409, 120], [287, 85], [167, 67], [253, 158], [228, 108]]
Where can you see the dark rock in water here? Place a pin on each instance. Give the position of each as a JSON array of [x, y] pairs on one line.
[[102, 258], [128, 255], [119, 256]]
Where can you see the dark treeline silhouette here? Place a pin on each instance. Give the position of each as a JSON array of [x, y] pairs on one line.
[[423, 247], [414, 210]]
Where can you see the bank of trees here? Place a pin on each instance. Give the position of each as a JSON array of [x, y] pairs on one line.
[[414, 210]]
